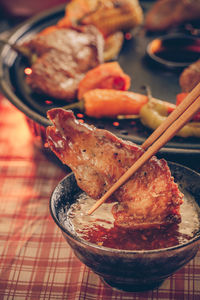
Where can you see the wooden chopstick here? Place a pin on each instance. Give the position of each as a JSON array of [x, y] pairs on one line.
[[174, 124]]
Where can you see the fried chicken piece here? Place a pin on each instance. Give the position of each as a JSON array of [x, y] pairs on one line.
[[166, 14], [64, 56], [190, 77], [98, 158]]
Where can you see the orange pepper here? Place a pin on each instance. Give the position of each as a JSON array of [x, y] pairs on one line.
[[109, 103], [105, 76], [179, 98], [101, 103]]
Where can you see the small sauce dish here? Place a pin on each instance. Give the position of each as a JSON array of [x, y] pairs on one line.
[[174, 51]]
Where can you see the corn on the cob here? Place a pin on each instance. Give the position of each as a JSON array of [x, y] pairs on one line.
[[108, 16]]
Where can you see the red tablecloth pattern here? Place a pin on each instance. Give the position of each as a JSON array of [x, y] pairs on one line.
[[35, 260]]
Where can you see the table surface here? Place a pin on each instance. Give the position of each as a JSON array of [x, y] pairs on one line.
[[35, 260]]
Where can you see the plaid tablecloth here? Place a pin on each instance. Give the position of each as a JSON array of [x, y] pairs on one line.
[[35, 260]]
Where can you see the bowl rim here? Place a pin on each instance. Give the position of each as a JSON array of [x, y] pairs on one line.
[[164, 62], [112, 250]]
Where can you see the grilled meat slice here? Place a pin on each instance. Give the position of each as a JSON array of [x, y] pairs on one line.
[[166, 14], [190, 77], [52, 76], [98, 158], [64, 56]]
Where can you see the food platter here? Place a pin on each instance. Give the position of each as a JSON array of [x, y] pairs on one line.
[[133, 60]]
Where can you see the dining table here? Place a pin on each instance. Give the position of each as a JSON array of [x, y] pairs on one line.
[[35, 260]]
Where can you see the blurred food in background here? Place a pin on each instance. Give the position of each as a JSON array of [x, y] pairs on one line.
[[165, 14], [25, 9], [63, 56], [108, 16], [90, 33], [190, 77]]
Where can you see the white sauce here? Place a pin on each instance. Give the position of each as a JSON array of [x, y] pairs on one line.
[[81, 221]]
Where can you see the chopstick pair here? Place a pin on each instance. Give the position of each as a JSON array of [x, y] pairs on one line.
[[174, 122]]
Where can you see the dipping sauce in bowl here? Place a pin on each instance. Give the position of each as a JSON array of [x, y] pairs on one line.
[[124, 259], [174, 51], [100, 229]]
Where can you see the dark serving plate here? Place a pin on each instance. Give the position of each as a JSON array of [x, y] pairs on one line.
[[133, 60]]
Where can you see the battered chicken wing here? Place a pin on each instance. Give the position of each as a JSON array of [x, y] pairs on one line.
[[98, 158]]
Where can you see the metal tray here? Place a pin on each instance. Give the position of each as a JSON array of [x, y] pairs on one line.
[[133, 60]]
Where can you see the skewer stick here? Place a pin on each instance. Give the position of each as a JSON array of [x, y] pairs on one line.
[[172, 125]]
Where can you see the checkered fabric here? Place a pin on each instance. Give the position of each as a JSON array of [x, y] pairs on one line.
[[35, 260]]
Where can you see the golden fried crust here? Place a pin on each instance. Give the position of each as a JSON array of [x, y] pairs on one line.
[[98, 158]]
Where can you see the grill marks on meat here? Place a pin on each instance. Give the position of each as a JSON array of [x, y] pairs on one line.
[[65, 55], [98, 158]]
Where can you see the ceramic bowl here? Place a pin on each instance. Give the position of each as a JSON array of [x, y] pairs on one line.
[[174, 51], [124, 269]]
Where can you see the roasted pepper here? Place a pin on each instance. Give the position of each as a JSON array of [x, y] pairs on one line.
[[154, 113], [109, 103], [105, 76], [179, 98]]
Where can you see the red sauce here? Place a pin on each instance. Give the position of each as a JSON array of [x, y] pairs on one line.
[[100, 228], [121, 238]]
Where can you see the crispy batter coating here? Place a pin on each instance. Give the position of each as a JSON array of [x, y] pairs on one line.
[[98, 158]]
